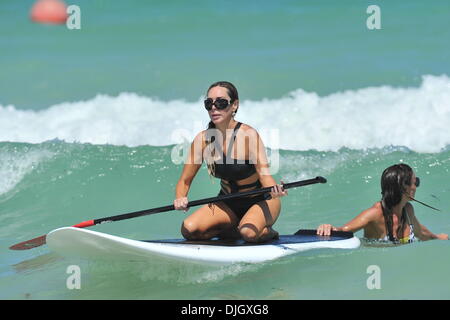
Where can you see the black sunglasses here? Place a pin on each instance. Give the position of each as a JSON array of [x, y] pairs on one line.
[[219, 103], [417, 182]]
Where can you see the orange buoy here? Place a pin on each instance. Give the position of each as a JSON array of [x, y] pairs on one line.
[[49, 11]]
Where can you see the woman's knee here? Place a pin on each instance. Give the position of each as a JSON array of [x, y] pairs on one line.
[[189, 230], [205, 224], [249, 233]]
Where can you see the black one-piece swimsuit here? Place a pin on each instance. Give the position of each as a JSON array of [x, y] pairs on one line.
[[231, 170]]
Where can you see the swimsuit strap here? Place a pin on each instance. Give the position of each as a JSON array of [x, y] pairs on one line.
[[411, 228], [235, 187], [218, 145], [411, 237], [232, 139]]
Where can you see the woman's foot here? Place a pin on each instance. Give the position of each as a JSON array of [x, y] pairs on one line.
[[272, 234], [266, 235]]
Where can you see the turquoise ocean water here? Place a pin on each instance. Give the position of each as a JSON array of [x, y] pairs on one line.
[[90, 121]]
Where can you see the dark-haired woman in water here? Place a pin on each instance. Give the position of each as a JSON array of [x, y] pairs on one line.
[[392, 218], [234, 153]]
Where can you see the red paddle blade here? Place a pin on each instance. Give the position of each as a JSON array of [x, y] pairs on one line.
[[29, 244], [39, 241]]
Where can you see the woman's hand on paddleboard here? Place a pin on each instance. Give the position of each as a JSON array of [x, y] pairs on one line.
[[181, 204], [442, 236], [325, 229], [277, 191]]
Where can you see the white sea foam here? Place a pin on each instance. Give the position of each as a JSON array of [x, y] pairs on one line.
[[415, 117], [14, 166]]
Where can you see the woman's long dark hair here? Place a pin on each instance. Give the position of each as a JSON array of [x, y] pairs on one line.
[[210, 137], [394, 181]]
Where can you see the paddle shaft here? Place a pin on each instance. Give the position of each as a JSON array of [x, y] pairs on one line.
[[194, 203], [39, 241], [424, 204]]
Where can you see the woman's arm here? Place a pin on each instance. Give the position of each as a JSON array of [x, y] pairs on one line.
[[354, 225], [258, 156], [193, 163], [420, 231]]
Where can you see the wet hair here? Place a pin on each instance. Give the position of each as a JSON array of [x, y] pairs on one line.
[[210, 138], [394, 182]]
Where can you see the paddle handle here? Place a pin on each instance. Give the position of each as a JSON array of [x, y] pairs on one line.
[[194, 203]]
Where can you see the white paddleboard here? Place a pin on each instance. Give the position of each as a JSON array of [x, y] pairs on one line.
[[89, 244]]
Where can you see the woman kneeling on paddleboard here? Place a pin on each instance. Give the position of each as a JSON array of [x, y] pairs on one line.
[[234, 153], [391, 219]]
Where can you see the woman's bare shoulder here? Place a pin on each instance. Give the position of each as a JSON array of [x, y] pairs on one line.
[[200, 139], [249, 131], [377, 206], [247, 127], [375, 211], [200, 136]]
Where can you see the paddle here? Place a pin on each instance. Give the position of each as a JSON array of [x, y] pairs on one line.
[[424, 204], [39, 241]]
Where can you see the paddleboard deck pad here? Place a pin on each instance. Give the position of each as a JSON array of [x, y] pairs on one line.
[[77, 242]]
